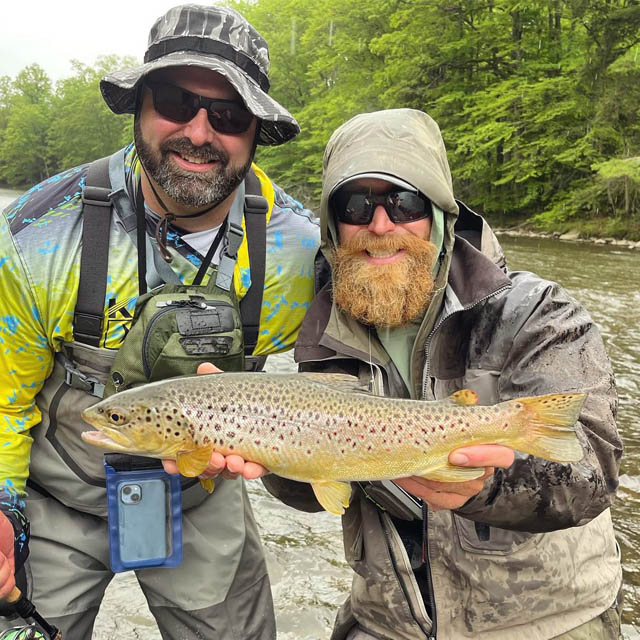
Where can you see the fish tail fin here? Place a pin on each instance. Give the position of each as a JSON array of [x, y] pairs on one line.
[[548, 426]]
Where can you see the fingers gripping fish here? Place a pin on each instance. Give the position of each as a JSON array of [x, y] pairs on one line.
[[305, 427]]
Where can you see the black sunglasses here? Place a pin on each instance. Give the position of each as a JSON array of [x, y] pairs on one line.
[[180, 105], [401, 206]]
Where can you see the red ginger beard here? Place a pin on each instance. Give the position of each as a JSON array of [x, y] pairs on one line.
[[384, 295]]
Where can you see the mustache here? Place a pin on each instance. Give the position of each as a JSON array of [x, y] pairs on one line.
[[183, 146], [366, 241]]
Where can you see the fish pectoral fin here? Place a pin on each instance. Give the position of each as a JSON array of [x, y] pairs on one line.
[[208, 484], [193, 462], [464, 398], [452, 473], [333, 496]]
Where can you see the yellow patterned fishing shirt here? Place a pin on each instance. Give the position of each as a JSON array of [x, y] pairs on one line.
[[40, 245]]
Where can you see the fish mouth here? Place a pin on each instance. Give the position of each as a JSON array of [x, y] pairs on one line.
[[115, 441]]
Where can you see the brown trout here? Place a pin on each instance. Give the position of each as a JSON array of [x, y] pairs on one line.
[[307, 427]]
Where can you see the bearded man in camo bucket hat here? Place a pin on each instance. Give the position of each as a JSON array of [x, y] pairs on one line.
[[179, 200]]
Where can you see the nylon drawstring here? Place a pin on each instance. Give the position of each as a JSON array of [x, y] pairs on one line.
[[162, 226], [161, 235]]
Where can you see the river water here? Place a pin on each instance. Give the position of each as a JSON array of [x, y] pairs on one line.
[[304, 551]]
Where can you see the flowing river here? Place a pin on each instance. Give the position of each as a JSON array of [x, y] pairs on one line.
[[304, 551]]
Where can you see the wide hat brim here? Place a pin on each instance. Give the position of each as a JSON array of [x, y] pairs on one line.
[[120, 89]]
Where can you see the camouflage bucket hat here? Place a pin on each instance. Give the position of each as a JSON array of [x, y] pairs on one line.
[[215, 38]]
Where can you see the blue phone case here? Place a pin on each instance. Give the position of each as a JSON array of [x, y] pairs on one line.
[[145, 518]]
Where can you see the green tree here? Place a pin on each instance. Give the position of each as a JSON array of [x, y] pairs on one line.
[[23, 153], [82, 126], [24, 156]]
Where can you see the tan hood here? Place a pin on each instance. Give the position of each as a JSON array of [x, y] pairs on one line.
[[404, 143]]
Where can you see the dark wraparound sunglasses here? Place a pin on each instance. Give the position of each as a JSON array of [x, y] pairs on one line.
[[401, 206], [180, 105]]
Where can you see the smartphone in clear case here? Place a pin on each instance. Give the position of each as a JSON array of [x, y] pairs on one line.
[[144, 509], [142, 515]]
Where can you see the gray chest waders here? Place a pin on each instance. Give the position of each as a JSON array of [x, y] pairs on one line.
[[62, 465]]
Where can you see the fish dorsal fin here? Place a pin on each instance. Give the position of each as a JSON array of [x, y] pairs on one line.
[[463, 398], [451, 473], [338, 381], [193, 462], [333, 496]]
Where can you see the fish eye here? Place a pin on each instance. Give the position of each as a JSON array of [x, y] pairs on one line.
[[117, 417]]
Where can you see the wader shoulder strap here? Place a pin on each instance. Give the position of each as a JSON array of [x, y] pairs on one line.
[[89, 312], [255, 211], [96, 223]]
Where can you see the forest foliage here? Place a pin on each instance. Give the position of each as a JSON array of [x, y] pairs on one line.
[[538, 100]]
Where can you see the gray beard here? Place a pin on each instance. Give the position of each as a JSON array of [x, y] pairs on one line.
[[187, 187]]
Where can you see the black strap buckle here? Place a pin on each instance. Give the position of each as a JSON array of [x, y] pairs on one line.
[[255, 204], [96, 196]]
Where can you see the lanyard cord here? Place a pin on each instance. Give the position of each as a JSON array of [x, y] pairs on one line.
[[141, 236], [168, 217], [212, 250], [141, 233], [427, 568]]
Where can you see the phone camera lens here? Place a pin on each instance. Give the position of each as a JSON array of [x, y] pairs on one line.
[[135, 497], [126, 491]]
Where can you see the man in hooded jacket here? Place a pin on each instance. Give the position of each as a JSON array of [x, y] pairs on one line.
[[421, 304]]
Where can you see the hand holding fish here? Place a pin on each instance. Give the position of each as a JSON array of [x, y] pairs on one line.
[[7, 567], [452, 495], [230, 466]]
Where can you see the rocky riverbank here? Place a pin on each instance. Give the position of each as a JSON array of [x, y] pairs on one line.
[[570, 236]]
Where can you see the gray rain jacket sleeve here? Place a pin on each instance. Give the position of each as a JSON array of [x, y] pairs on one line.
[[555, 345]]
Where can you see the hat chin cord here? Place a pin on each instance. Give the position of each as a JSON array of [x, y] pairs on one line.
[[163, 224]]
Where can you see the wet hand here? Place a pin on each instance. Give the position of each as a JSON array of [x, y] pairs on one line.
[[230, 466], [452, 495], [7, 565]]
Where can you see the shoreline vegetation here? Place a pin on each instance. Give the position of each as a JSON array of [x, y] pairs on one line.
[[537, 103]]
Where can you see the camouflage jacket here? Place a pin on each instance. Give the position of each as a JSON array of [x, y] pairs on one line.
[[533, 555]]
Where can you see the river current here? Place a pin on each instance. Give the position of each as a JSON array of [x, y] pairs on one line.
[[309, 576]]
